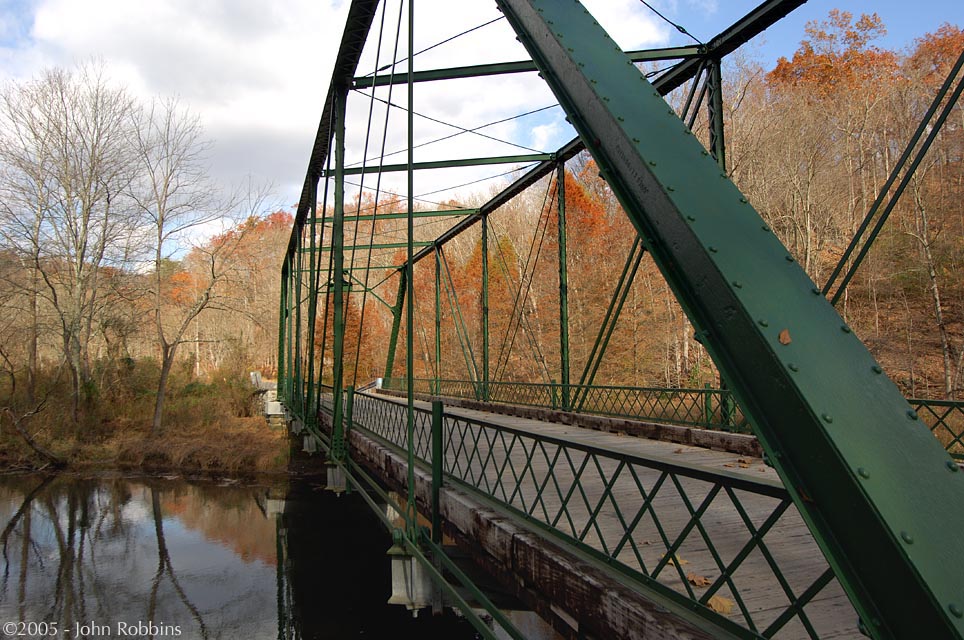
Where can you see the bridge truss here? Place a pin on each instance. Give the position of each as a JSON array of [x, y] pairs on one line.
[[876, 490]]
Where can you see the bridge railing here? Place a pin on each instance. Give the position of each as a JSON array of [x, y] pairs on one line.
[[945, 419], [706, 408], [701, 537]]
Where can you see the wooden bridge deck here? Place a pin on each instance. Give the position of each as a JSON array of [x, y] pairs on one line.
[[612, 491]]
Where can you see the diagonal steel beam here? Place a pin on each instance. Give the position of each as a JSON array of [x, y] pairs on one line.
[[879, 493]]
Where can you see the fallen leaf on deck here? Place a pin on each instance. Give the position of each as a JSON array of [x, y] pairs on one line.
[[729, 464], [744, 466], [720, 604], [697, 580], [744, 461], [677, 561], [680, 450], [784, 337]]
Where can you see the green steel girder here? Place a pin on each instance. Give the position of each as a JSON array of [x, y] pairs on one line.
[[524, 158], [365, 247], [415, 214], [522, 66], [879, 493]]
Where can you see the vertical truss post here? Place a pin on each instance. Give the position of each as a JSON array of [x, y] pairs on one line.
[[282, 321], [563, 287], [485, 308], [396, 321], [338, 279], [299, 390], [438, 323], [292, 296], [714, 109], [409, 265], [310, 408], [715, 112], [438, 460], [877, 490]]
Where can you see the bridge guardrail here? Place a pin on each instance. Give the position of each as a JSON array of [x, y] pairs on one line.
[[647, 518], [945, 419], [705, 408]]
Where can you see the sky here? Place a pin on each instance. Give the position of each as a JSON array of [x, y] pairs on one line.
[[257, 72]]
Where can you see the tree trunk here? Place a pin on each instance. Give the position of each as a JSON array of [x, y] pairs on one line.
[[166, 365]]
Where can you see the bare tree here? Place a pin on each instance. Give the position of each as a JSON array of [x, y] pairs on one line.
[[72, 152], [176, 197]]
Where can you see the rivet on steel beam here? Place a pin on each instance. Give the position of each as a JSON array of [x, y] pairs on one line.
[[815, 291], [620, 118], [876, 369], [845, 328], [827, 418], [690, 218], [652, 163], [792, 367], [636, 140], [863, 473], [712, 249], [671, 112], [765, 228], [763, 323], [952, 466], [705, 152], [788, 258], [605, 98], [955, 610], [744, 200], [906, 537], [723, 175], [912, 414], [737, 284], [669, 188]]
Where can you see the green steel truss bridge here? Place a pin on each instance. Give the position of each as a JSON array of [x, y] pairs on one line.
[[826, 507]]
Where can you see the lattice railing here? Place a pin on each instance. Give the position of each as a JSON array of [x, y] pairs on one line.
[[705, 408], [945, 419], [729, 545]]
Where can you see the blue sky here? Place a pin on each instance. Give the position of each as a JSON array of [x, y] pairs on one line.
[[905, 20]]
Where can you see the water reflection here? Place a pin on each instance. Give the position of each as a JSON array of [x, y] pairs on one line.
[[169, 557], [156, 557], [151, 556]]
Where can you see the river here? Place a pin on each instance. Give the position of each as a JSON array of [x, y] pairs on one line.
[[166, 556]]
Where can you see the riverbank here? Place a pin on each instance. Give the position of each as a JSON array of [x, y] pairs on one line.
[[233, 445], [211, 425]]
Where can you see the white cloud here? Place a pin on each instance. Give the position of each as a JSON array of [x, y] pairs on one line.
[[257, 73]]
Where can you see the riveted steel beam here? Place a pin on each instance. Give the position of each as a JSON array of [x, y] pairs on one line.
[[445, 213], [876, 489], [522, 66], [449, 164]]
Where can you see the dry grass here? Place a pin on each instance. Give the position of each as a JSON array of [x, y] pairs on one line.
[[210, 425]]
